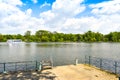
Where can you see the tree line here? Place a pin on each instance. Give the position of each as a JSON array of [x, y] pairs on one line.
[[47, 36]]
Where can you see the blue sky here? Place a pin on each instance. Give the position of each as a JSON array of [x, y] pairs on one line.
[[67, 16], [35, 6], [94, 1]]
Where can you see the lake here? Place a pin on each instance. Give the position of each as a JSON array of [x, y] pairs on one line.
[[60, 53]]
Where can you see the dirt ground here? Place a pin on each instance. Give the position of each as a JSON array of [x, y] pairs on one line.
[[81, 72], [68, 72]]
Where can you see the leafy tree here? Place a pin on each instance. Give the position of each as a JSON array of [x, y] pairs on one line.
[[53, 38], [47, 36], [79, 37], [89, 36], [27, 36], [99, 37], [1, 37]]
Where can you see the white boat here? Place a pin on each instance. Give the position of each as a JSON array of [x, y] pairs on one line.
[[14, 41]]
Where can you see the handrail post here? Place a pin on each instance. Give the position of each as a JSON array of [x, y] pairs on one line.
[[115, 67], [100, 63], [36, 66], [52, 63], [4, 68], [76, 61], [89, 60], [40, 66]]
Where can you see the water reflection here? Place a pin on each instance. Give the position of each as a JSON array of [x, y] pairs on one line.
[[60, 53]]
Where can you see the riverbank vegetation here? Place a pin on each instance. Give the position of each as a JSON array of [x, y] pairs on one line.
[[47, 36]]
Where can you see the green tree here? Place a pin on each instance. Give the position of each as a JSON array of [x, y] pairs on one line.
[[79, 37], [1, 37], [42, 35], [27, 36], [89, 36], [99, 37]]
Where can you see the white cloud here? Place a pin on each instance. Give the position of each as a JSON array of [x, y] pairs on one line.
[[109, 7], [68, 7], [13, 20], [11, 2], [29, 12], [107, 16], [104, 24], [61, 11], [80, 25], [34, 1], [45, 4], [109, 23], [62, 17], [65, 8]]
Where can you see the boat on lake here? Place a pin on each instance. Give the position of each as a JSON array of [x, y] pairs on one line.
[[14, 41]]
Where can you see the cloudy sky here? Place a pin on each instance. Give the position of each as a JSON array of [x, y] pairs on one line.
[[67, 16]]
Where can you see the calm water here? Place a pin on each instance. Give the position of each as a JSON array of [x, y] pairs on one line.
[[60, 53]]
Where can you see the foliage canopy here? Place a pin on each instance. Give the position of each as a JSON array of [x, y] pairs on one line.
[[47, 36]]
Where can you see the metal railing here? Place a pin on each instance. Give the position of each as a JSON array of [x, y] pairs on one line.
[[19, 66], [25, 66], [104, 64]]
